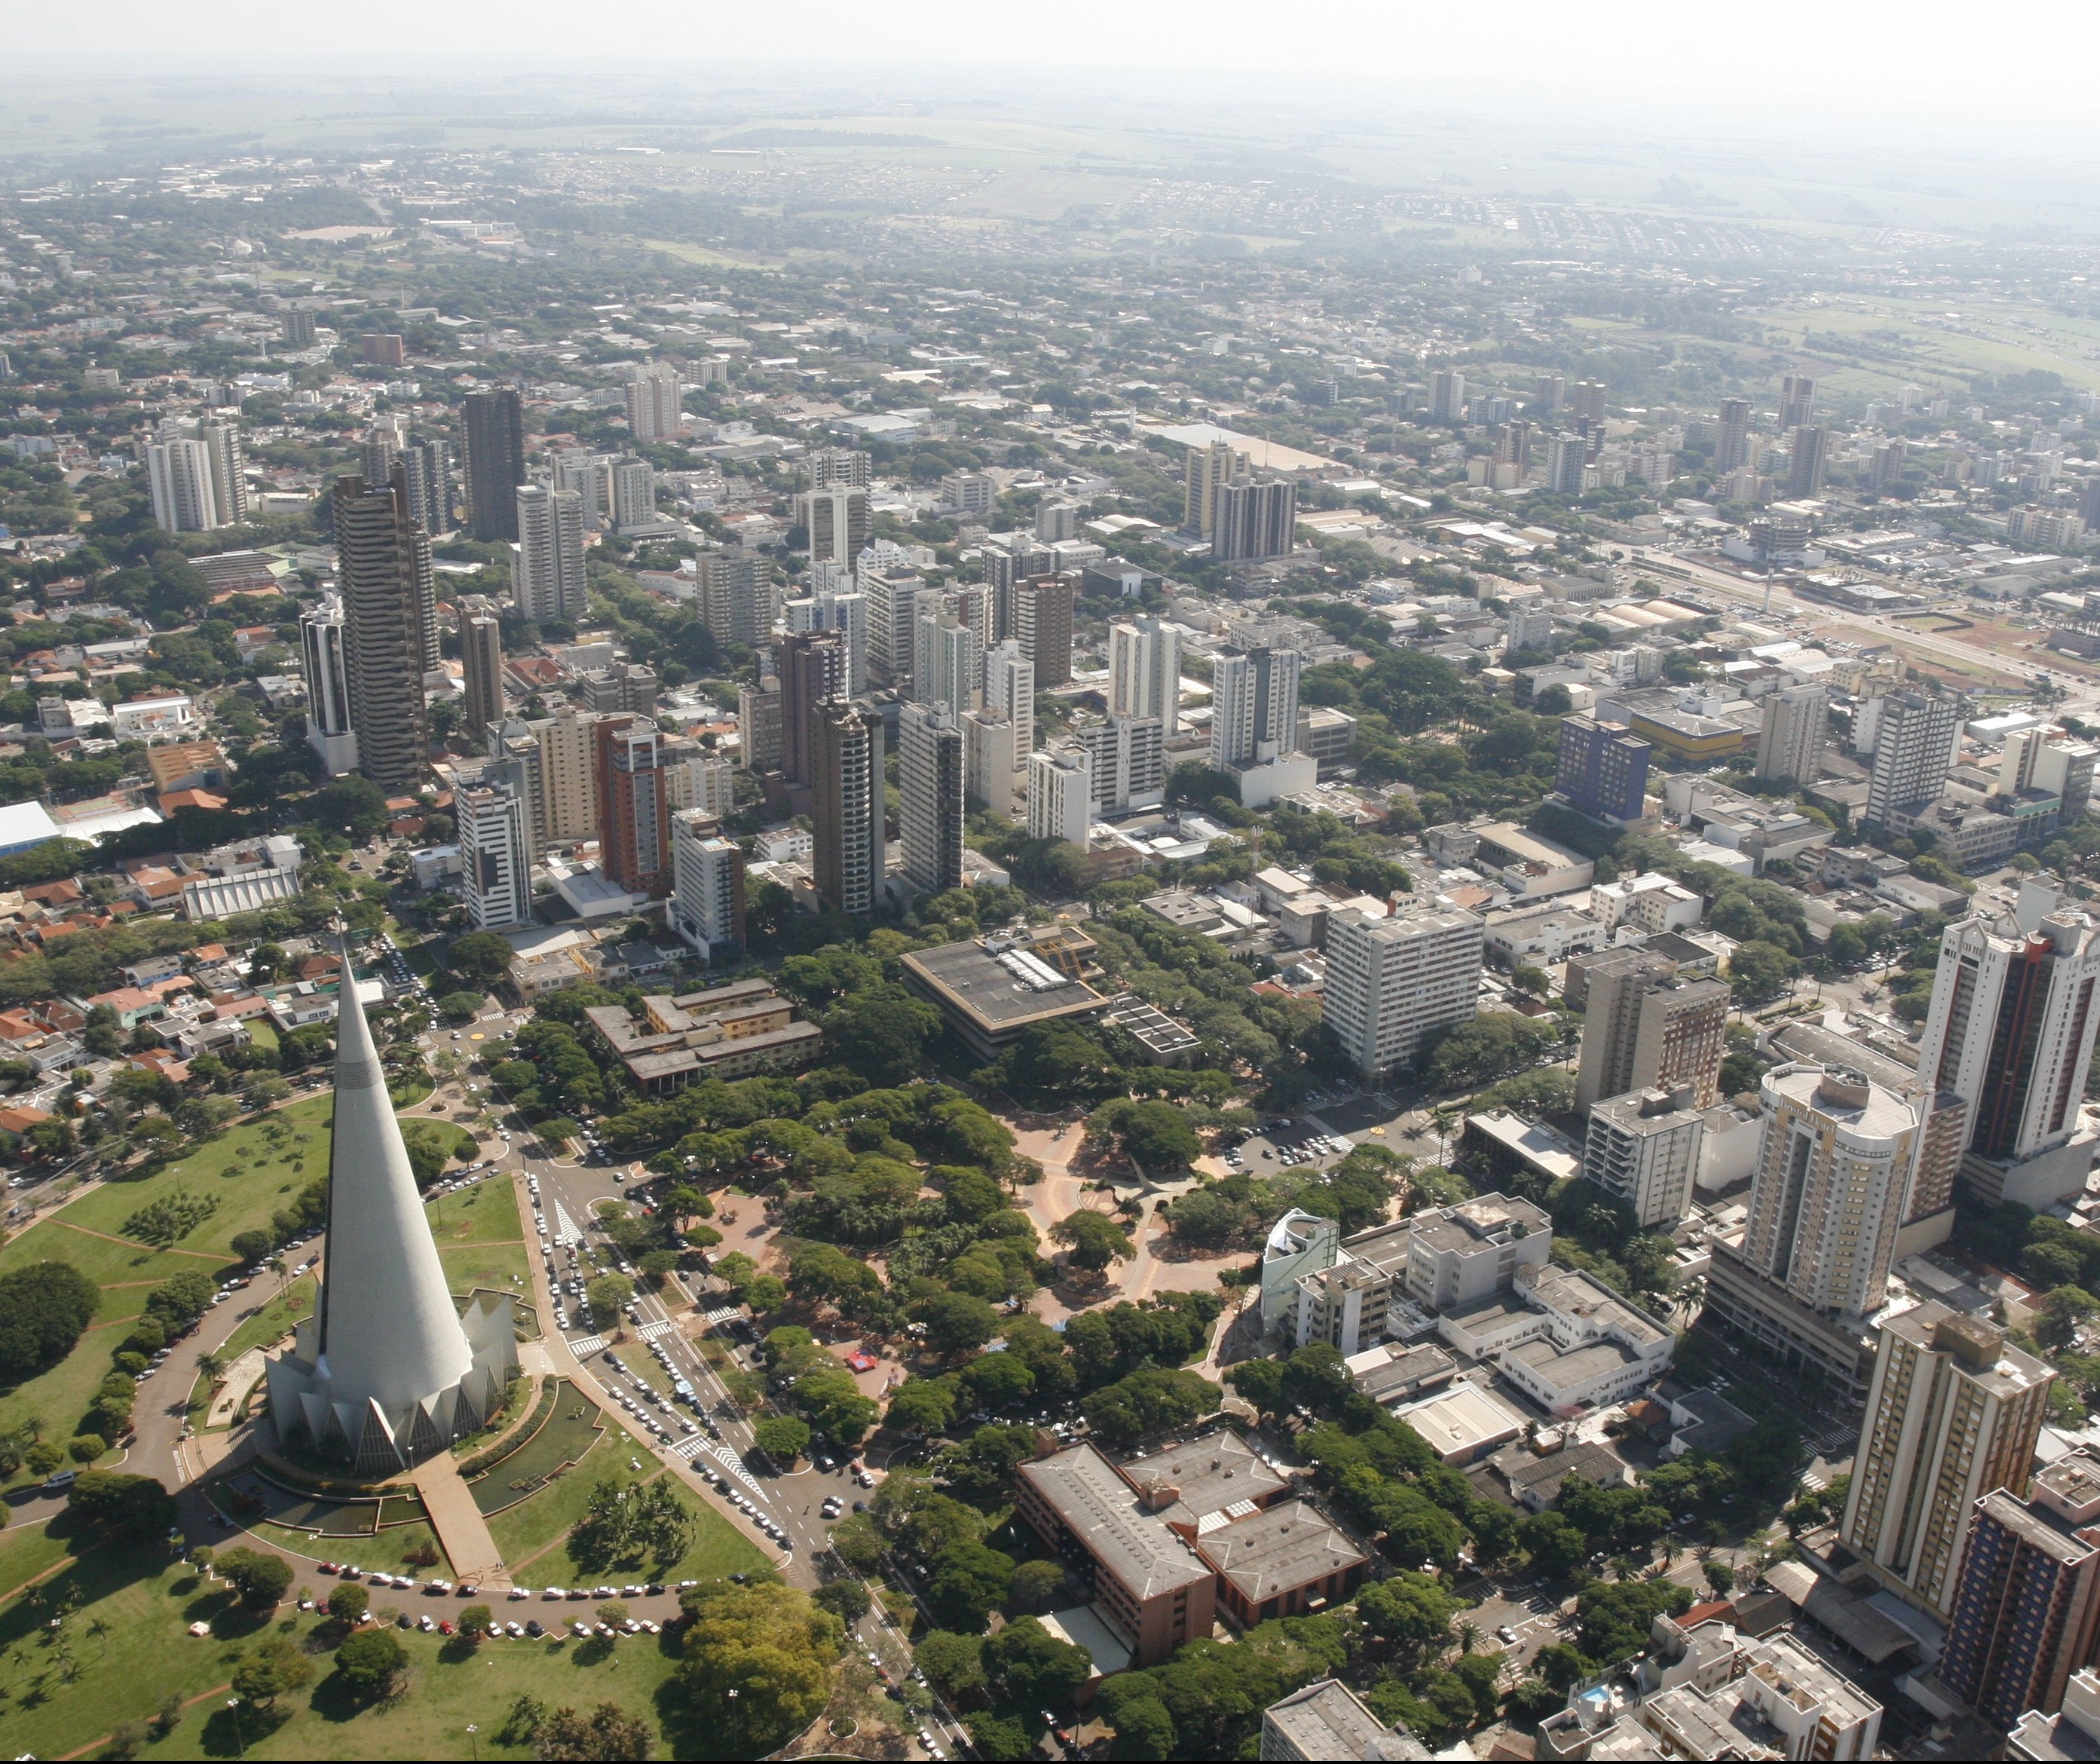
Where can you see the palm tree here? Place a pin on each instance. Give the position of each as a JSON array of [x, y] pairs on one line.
[[1468, 1634], [210, 1366]]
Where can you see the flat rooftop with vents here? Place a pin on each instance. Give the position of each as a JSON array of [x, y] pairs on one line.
[[992, 990]]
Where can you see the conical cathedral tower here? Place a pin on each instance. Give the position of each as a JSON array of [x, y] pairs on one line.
[[385, 1371]]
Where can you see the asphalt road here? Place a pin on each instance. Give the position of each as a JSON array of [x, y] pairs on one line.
[[570, 1193]]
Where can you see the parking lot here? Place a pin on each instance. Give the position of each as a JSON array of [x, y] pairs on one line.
[[1284, 1145]]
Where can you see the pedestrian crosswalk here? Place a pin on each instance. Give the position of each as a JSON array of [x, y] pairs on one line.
[[729, 1462], [650, 1331], [727, 1313], [565, 1228], [590, 1345]]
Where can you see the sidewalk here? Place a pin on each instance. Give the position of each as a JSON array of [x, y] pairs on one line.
[[457, 1521]]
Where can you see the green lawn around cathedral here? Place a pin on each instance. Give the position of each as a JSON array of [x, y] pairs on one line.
[[248, 1172], [123, 1648]]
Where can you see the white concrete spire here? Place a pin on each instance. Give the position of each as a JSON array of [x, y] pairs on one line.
[[385, 1371]]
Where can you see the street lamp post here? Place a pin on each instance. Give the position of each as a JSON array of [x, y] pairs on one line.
[[240, 1744], [475, 1744]]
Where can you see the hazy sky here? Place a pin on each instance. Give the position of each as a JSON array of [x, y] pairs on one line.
[[1919, 67]]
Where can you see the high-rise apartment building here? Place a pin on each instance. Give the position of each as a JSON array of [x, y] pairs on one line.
[[655, 412], [1585, 401], [948, 665], [1043, 626], [1009, 691], [495, 867], [1145, 671], [2047, 762], [228, 465], [1835, 1161], [1548, 393], [838, 522], [2026, 1607], [894, 598], [991, 760], [1254, 705], [1790, 739], [1060, 794], [2010, 1031], [1009, 559], [296, 329], [1808, 460], [1512, 445], [433, 493], [1843, 1165], [634, 815], [547, 580], [1731, 439], [1392, 982], [707, 886], [930, 771], [839, 468], [699, 779], [1797, 401], [812, 673], [851, 858], [1530, 627], [1056, 519], [974, 494], [322, 643], [1643, 1150], [569, 806], [1913, 752], [1603, 770], [1567, 457], [1447, 396], [1953, 1411], [1646, 1029], [481, 661], [383, 446], [760, 725], [843, 611], [1205, 470], [389, 615], [178, 479], [1128, 762], [494, 461], [1885, 466], [738, 601], [1256, 519], [633, 495], [590, 475], [625, 687]]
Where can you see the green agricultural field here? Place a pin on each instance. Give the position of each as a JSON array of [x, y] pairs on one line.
[[124, 1648]]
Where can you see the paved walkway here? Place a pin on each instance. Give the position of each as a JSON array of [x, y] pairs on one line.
[[241, 1377], [458, 1522]]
